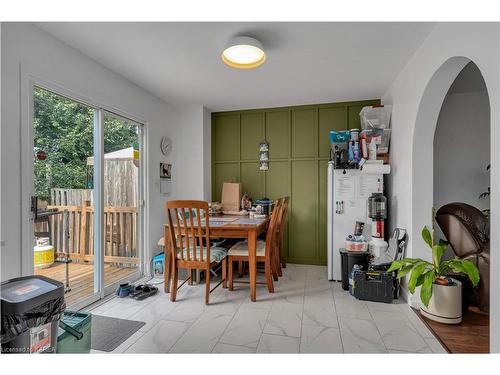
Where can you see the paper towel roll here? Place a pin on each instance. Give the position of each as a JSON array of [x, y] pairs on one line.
[[376, 168]]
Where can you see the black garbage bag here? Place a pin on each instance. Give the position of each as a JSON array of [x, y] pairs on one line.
[[14, 325]]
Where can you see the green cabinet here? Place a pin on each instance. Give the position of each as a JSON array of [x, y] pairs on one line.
[[304, 133], [299, 149], [329, 119], [278, 133]]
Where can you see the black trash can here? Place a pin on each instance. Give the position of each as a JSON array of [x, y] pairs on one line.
[[31, 309], [347, 261]]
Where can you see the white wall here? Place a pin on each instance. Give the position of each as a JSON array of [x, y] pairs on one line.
[[27, 52], [462, 150], [423, 83]]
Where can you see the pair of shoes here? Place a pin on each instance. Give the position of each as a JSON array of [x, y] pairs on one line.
[[124, 290], [143, 291]]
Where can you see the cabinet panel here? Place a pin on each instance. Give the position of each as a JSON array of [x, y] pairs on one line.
[[277, 134], [252, 133], [304, 214], [329, 119], [304, 133], [227, 137], [354, 122], [277, 179], [252, 180], [226, 172]]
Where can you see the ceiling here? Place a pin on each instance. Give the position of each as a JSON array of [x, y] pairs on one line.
[[306, 62]]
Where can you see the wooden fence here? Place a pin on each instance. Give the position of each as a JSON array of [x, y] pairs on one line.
[[72, 231]]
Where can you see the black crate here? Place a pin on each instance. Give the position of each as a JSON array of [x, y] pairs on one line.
[[376, 286]]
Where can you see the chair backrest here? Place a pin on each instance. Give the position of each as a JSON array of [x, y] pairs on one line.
[[283, 220], [189, 229], [272, 230]]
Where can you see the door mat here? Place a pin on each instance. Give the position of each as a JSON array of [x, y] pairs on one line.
[[108, 333]]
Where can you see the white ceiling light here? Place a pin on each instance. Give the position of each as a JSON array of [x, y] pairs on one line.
[[244, 52]]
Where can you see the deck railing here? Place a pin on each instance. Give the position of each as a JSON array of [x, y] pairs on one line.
[[72, 232]]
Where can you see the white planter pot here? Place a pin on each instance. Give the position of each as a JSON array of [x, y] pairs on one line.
[[445, 305]]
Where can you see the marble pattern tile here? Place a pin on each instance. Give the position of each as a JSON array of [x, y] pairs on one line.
[[435, 345], [284, 319], [360, 336], [227, 348], [306, 313], [315, 339], [397, 331], [278, 344], [349, 307], [160, 338], [246, 327], [203, 335]]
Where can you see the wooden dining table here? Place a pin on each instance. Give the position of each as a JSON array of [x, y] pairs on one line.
[[226, 226]]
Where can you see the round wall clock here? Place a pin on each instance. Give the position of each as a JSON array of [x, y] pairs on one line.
[[166, 146]]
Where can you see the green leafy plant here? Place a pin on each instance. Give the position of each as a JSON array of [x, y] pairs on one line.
[[425, 274]]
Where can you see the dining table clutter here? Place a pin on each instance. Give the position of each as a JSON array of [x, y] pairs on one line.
[[217, 236]]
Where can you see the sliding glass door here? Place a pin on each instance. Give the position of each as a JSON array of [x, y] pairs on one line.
[[86, 206], [122, 197]]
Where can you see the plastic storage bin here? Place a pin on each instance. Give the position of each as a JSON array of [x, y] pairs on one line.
[[347, 261], [375, 117], [376, 286], [74, 335], [31, 308]]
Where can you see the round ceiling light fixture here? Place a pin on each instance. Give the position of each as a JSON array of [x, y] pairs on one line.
[[243, 52]]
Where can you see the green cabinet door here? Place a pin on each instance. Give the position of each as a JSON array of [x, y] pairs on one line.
[[252, 180], [226, 132], [278, 134], [354, 122], [252, 133], [304, 133], [329, 119], [224, 172], [304, 214]]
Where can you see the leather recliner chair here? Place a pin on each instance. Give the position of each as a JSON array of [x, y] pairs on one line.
[[467, 230]]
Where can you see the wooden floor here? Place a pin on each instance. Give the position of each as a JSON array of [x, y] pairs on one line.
[[471, 336], [81, 278]]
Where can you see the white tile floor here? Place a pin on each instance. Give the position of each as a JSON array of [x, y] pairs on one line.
[[306, 314]]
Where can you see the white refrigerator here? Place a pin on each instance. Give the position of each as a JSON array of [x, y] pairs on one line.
[[348, 192]]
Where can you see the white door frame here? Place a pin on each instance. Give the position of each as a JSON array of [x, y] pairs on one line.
[[27, 84]]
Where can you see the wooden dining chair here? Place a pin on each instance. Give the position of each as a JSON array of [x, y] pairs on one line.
[[281, 259], [190, 243], [264, 252]]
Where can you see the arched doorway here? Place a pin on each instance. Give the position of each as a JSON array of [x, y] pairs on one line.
[[431, 104]]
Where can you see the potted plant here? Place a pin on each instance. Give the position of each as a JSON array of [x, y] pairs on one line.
[[441, 295]]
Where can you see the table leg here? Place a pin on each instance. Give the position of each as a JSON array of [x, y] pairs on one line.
[[252, 263]]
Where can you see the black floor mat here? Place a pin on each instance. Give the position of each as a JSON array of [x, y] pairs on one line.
[[108, 333]]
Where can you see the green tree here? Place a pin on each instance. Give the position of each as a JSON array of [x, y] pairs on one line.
[[63, 129]]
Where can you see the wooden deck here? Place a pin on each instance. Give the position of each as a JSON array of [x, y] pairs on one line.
[[81, 278]]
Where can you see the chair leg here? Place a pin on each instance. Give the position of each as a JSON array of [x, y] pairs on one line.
[[224, 273], [230, 266], [190, 275], [173, 287], [274, 268], [269, 278], [207, 285], [240, 268], [278, 263]]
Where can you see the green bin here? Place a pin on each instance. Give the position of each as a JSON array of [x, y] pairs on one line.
[[74, 333]]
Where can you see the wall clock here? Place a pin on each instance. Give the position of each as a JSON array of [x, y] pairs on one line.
[[166, 146]]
